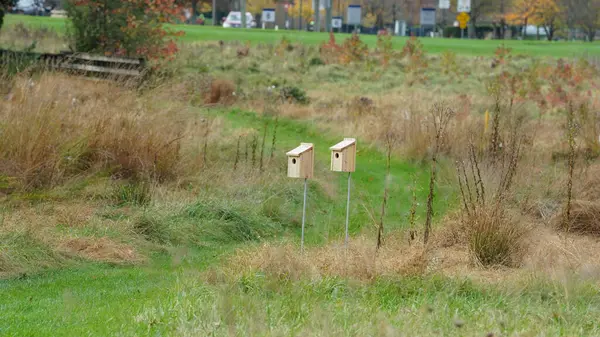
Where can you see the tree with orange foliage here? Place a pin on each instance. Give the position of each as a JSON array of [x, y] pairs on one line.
[[520, 13], [549, 14]]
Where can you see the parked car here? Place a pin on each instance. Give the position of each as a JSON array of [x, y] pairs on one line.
[[234, 20], [31, 8]]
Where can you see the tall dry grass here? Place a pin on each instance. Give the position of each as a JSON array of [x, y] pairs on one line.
[[362, 261], [54, 126]]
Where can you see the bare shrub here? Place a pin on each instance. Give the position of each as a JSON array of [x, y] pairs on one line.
[[243, 51], [390, 140], [441, 116], [494, 236], [221, 91]]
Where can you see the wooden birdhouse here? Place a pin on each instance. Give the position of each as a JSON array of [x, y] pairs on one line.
[[300, 161], [343, 156]]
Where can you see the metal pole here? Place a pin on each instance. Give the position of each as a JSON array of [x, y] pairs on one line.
[[214, 13], [347, 210], [243, 10], [317, 26], [303, 217], [300, 17]]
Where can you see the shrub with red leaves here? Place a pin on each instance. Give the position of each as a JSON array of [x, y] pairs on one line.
[[133, 28]]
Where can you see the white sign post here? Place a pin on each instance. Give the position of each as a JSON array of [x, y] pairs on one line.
[[268, 15], [427, 19], [464, 6], [336, 22], [354, 15], [444, 4]]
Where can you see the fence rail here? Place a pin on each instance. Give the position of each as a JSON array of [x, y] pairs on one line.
[[79, 63]]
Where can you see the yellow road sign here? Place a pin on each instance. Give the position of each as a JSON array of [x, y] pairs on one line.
[[463, 17]]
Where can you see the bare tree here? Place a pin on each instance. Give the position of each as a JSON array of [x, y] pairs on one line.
[[390, 139], [584, 14]]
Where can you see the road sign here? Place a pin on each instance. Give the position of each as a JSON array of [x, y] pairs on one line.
[[336, 22], [428, 16], [463, 18], [444, 4], [354, 15], [463, 6], [268, 15]]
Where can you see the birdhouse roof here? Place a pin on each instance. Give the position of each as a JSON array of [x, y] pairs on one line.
[[343, 144], [300, 150]]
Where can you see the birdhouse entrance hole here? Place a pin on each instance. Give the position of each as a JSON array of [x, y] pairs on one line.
[[294, 161], [337, 155]]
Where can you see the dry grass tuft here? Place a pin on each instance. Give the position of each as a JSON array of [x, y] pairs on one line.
[[585, 218], [361, 262], [100, 249], [496, 239], [57, 126]]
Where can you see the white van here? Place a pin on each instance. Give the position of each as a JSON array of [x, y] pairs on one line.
[[234, 20]]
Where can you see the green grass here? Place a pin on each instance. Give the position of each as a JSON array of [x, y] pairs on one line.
[[326, 216], [462, 47], [165, 299]]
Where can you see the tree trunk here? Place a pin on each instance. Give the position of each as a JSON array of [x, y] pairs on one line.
[[194, 11], [379, 20], [472, 29], [549, 29], [591, 35], [328, 16], [1, 17], [214, 13]]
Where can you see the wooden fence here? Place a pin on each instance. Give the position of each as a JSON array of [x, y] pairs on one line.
[[117, 68]]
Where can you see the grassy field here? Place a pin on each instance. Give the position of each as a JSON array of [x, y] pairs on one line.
[[255, 36], [159, 212]]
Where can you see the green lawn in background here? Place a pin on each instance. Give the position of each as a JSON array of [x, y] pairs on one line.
[[432, 45]]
